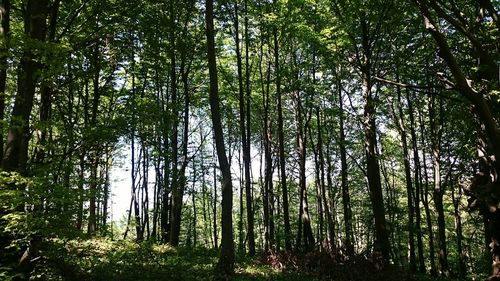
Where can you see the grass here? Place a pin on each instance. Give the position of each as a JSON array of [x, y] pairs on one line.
[[106, 260], [102, 259]]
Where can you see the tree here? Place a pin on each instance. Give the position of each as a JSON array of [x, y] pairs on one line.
[[16, 146], [226, 259]]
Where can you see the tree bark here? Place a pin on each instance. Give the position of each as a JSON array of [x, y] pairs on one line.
[[373, 169], [409, 187], [178, 192], [462, 267], [418, 188], [225, 265], [281, 147], [436, 129], [15, 155], [4, 55], [425, 195], [244, 137], [304, 217], [331, 223], [346, 198]]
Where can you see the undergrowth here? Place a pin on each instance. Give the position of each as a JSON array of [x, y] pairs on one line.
[[106, 260]]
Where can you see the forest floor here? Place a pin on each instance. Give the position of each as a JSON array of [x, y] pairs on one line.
[[102, 259]]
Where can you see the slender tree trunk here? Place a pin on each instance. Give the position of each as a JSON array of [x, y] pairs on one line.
[[418, 186], [436, 127], [214, 202], [4, 55], [304, 217], [373, 169], [95, 153], [425, 196], [243, 133], [409, 186], [346, 198], [175, 185], [106, 191], [178, 192], [206, 219], [281, 146], [267, 141], [321, 180], [241, 238], [81, 177], [46, 90], [193, 200], [462, 267], [246, 152], [156, 196], [225, 265]]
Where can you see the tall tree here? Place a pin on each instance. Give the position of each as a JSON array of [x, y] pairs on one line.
[[4, 51], [243, 132], [225, 265], [281, 144], [370, 130], [409, 186], [346, 197], [15, 154]]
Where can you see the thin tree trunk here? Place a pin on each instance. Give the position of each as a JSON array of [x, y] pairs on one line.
[[409, 186], [331, 224], [425, 197], [418, 186], [246, 152], [304, 217], [46, 90], [4, 56], [462, 267], [243, 132], [178, 191], [193, 200], [346, 198], [281, 146], [225, 265], [95, 153], [436, 128], [214, 203], [373, 169], [175, 185], [79, 214]]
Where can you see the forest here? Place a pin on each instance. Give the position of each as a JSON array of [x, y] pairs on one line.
[[257, 140]]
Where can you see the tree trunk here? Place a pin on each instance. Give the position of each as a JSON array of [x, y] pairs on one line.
[[281, 146], [214, 202], [304, 217], [4, 55], [15, 154], [425, 195], [178, 191], [346, 198], [225, 265], [409, 187], [436, 131], [267, 141], [244, 137], [175, 185], [382, 244], [95, 153], [418, 187], [331, 223], [46, 90], [462, 267]]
